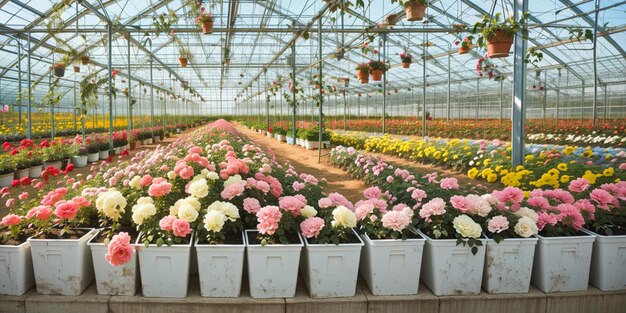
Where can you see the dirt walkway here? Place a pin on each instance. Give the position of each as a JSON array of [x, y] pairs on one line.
[[305, 161]]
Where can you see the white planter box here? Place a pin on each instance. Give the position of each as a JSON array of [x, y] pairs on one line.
[[392, 267], [165, 269], [93, 157], [79, 160], [326, 144], [608, 262], [310, 145], [279, 137], [290, 140], [16, 269], [55, 164], [562, 263], [6, 179], [221, 269], [272, 269], [19, 174], [103, 154], [62, 266], [268, 134], [35, 171], [448, 269], [329, 270], [157, 139], [508, 265], [113, 280]]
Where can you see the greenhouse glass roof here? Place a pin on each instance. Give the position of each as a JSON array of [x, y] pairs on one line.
[[255, 34]]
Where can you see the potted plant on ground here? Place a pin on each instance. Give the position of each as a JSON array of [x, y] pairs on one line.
[[362, 72], [17, 265], [406, 59], [377, 68], [103, 148], [7, 170], [22, 163], [328, 235], [414, 9], [496, 34], [80, 158], [205, 20], [389, 235], [53, 155], [93, 151]]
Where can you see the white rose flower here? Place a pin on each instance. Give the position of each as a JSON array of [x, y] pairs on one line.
[[204, 172], [308, 211], [235, 179], [171, 175], [212, 176], [526, 212], [143, 211], [343, 217], [112, 204], [214, 221], [188, 213], [466, 227], [134, 183], [145, 200], [526, 227], [199, 188], [226, 208]]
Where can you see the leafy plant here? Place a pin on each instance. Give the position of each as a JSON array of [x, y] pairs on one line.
[[488, 26], [378, 65], [405, 3], [406, 57], [163, 22], [363, 67], [7, 164]]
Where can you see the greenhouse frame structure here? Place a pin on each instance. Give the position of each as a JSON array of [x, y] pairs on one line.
[[256, 42]]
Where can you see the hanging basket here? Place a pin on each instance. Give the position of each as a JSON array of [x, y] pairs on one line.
[[499, 45], [414, 11], [207, 28], [59, 69], [362, 76], [183, 62], [76, 69], [391, 19], [377, 75], [84, 59], [406, 64], [464, 50]]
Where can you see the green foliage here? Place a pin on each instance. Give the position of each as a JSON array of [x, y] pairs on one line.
[[7, 164]]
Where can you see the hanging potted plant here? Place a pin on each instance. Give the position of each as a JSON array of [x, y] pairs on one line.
[[392, 255], [205, 20], [510, 244], [496, 34], [465, 45], [59, 69], [114, 256], [84, 59], [328, 235], [377, 68], [278, 241], [406, 59], [76, 67], [184, 56], [15, 252], [363, 72], [414, 9], [219, 247]]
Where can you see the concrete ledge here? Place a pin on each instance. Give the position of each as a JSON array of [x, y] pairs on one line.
[[591, 300]]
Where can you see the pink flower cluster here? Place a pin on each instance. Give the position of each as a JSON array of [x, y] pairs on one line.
[[119, 250], [311, 227], [292, 204], [160, 187], [268, 218], [180, 227]]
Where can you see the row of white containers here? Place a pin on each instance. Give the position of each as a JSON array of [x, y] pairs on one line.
[[389, 267]]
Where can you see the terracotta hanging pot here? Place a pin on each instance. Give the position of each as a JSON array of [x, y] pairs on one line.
[[362, 75], [414, 11], [76, 69], [84, 59], [464, 50], [183, 62], [391, 19], [377, 75], [207, 27], [406, 64], [59, 69], [499, 45]]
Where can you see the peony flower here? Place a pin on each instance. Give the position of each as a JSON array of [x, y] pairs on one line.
[[311, 227], [578, 185], [498, 224], [525, 227], [268, 218], [466, 227], [449, 183], [324, 203], [251, 205], [396, 220], [181, 228], [363, 210], [119, 250], [11, 220], [372, 192], [343, 217], [214, 221], [435, 206]]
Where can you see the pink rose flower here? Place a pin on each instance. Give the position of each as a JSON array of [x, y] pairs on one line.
[[42, 212], [293, 205], [498, 224], [418, 195], [509, 194], [119, 250], [395, 220], [23, 196], [66, 209], [181, 228], [159, 189], [145, 181], [297, 186], [268, 218], [461, 203], [372, 192], [449, 183], [167, 222], [363, 210], [324, 203], [232, 191], [11, 220], [311, 227], [578, 185], [251, 205]]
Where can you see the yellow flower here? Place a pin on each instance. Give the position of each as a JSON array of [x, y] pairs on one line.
[[562, 167], [519, 167], [529, 157], [472, 172], [608, 172], [590, 177], [492, 178], [565, 179]]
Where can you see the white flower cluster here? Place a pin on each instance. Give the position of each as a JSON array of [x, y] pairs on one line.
[[466, 227], [343, 217], [112, 204], [186, 208], [218, 213], [143, 210]]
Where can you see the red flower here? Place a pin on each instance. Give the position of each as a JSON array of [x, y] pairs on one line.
[[109, 159], [68, 168], [25, 181], [44, 144], [6, 146], [15, 183], [124, 153]]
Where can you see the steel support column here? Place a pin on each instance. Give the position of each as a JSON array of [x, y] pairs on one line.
[[595, 62], [519, 87], [110, 88]]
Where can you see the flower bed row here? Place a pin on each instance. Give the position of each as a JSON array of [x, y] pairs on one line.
[[545, 166], [610, 133], [201, 193]]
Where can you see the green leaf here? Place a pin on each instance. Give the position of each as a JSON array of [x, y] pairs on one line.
[[159, 242], [474, 250]]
